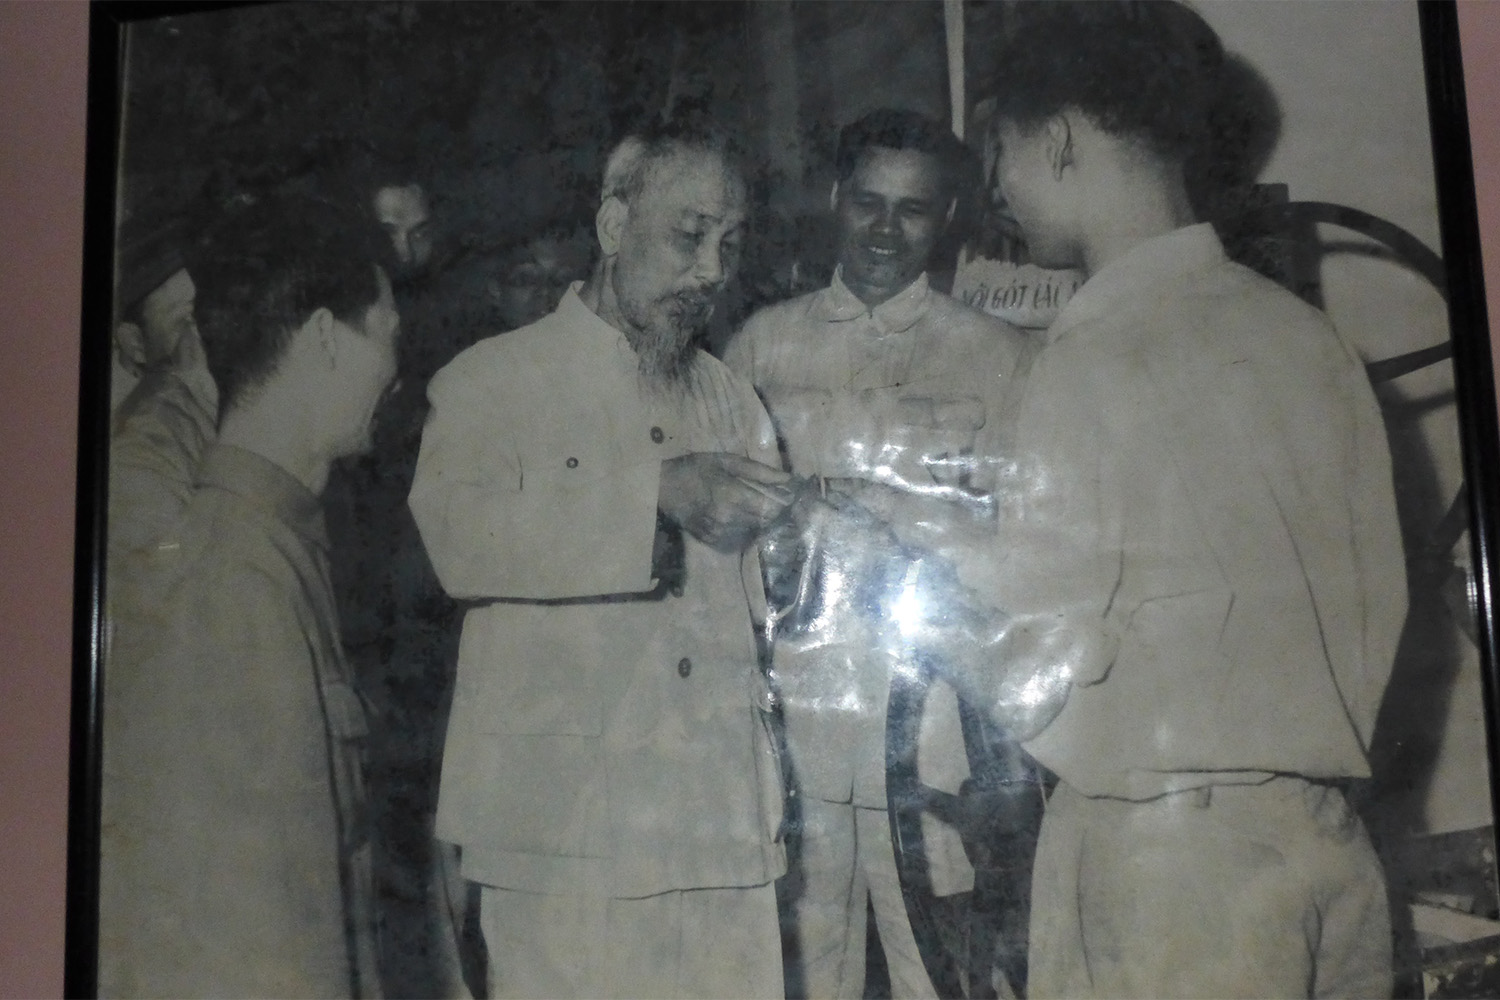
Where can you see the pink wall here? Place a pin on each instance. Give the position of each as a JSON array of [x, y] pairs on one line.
[[41, 180], [41, 177]]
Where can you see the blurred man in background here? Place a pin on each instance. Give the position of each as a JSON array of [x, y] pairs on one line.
[[168, 405], [533, 273], [405, 216]]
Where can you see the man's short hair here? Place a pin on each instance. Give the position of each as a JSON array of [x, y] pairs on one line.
[[264, 269], [644, 147], [1143, 70], [894, 128]]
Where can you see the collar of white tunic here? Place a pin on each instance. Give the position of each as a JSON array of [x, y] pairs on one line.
[[837, 304], [1138, 272], [613, 349], [607, 358]]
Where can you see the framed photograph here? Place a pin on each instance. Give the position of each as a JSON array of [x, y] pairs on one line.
[[1041, 540]]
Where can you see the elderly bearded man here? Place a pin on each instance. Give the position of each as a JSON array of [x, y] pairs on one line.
[[589, 484]]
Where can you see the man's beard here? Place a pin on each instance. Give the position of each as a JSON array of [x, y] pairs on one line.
[[667, 345]]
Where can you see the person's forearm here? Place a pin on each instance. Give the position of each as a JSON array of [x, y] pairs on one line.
[[1019, 669], [936, 518]]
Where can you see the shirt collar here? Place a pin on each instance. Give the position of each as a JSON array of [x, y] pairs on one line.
[[837, 304], [1138, 272], [614, 349], [265, 484], [573, 311]]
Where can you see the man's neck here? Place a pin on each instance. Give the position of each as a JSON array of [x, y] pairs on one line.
[[872, 297], [272, 429], [598, 293], [1142, 208]]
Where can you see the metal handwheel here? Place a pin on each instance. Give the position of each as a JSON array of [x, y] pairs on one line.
[[999, 809]]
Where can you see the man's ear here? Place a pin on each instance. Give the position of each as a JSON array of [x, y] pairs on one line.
[[1059, 144], [609, 223], [833, 198], [130, 347], [948, 216], [319, 331]]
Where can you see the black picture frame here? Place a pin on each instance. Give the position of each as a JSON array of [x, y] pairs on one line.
[[1477, 421]]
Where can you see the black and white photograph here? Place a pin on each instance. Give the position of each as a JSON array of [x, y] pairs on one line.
[[937, 498]]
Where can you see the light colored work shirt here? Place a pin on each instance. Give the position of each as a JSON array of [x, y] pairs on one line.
[[910, 393], [601, 742], [882, 394], [1200, 460], [234, 858]]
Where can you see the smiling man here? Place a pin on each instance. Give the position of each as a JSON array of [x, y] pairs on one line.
[[894, 392]]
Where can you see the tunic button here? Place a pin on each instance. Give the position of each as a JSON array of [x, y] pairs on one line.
[[657, 435], [684, 667], [572, 463]]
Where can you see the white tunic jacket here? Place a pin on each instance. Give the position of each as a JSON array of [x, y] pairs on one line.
[[601, 741]]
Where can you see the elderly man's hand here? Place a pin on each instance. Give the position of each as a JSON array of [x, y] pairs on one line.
[[723, 500]]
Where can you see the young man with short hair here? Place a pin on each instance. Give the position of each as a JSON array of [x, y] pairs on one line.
[[235, 854], [1200, 463]]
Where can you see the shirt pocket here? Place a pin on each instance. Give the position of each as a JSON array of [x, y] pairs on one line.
[[913, 437]]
